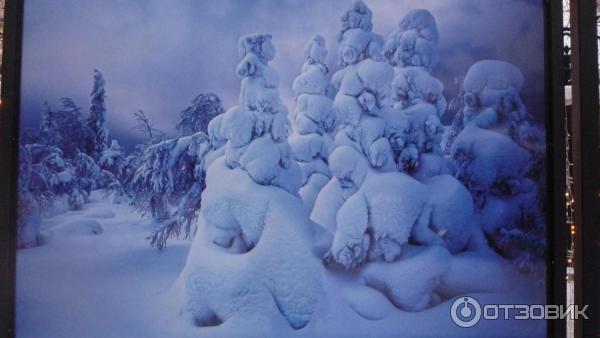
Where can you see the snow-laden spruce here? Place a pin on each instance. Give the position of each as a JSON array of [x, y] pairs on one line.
[[363, 88], [34, 197], [251, 259], [196, 117], [372, 210], [414, 126], [496, 151], [59, 176], [112, 159], [314, 121], [168, 183], [257, 130]]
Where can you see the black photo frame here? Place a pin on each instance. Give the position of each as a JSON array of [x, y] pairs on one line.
[[9, 127]]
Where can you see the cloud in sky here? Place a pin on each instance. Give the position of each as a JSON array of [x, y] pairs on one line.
[[157, 55]]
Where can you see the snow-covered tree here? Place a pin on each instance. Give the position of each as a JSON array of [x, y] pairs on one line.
[[113, 164], [414, 128], [372, 210], [72, 127], [113, 160], [414, 42], [59, 174], [257, 131], [167, 185], [49, 133], [495, 131], [363, 88], [250, 205], [34, 197], [88, 173], [62, 180], [196, 117], [313, 121], [96, 120]]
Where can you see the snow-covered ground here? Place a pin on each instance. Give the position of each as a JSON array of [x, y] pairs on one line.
[[89, 284], [86, 282]]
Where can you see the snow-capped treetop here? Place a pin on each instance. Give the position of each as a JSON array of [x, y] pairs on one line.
[[490, 99], [313, 113], [315, 50], [357, 42], [259, 45], [358, 45], [493, 74], [114, 145], [491, 94], [314, 76], [359, 16], [414, 84], [197, 116], [414, 42]]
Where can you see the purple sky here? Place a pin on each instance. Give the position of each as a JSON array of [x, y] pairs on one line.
[[157, 55]]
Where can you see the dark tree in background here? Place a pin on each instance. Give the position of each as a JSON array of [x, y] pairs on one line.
[[96, 121], [145, 127], [196, 117], [72, 128], [49, 134]]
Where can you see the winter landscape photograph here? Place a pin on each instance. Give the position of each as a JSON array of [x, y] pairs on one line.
[[280, 168]]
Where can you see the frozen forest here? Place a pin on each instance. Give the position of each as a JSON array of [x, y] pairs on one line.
[[356, 209]]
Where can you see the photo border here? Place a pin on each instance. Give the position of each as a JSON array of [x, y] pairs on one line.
[[9, 138], [556, 228]]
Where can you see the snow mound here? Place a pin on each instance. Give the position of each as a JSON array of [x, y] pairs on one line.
[[368, 302], [101, 213], [83, 227], [410, 283], [252, 254]]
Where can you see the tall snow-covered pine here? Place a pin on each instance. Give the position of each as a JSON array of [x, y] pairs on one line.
[[96, 120], [313, 120]]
